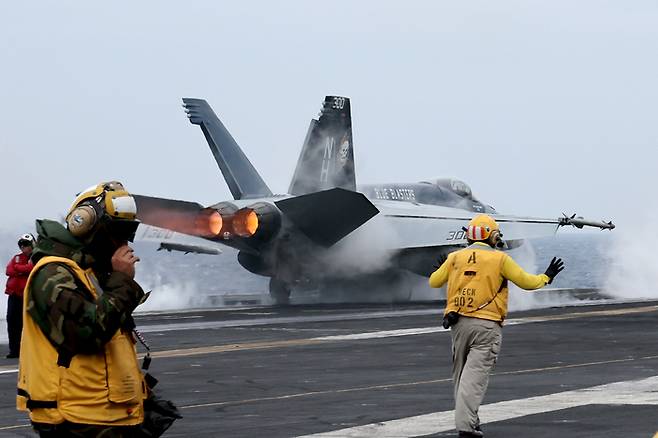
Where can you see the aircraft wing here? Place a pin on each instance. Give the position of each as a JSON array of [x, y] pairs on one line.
[[418, 235], [406, 225]]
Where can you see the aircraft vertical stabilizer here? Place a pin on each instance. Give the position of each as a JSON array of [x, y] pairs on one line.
[[327, 157], [242, 178]]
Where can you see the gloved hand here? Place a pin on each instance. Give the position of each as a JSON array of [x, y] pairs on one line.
[[555, 267], [440, 261]]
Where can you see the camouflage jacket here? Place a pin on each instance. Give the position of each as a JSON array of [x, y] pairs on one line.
[[63, 309]]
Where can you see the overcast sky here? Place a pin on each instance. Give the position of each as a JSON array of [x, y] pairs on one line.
[[541, 106]]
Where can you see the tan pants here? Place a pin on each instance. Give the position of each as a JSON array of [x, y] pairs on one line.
[[475, 347]]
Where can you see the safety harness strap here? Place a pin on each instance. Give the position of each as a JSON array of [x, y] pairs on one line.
[[36, 404], [64, 358]]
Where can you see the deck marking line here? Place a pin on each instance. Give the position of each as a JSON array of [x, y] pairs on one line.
[[634, 392], [363, 315], [405, 384], [226, 348]]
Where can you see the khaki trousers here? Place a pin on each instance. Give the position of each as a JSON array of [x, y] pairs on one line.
[[475, 347]]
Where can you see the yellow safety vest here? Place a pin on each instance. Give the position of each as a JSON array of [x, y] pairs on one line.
[[106, 388], [476, 287]]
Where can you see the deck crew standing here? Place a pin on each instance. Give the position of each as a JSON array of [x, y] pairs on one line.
[[18, 269], [476, 306], [78, 371]]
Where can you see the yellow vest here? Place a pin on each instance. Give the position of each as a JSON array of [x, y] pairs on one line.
[[476, 287], [106, 388]]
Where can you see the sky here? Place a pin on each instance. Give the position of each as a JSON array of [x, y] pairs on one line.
[[543, 107]]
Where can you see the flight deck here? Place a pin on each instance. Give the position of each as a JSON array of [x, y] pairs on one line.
[[382, 370]]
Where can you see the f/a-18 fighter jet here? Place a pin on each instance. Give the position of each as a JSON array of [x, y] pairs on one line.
[[326, 228]]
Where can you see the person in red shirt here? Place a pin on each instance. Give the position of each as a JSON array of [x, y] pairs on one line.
[[18, 269]]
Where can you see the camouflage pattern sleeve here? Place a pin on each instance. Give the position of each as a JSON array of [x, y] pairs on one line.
[[69, 316]]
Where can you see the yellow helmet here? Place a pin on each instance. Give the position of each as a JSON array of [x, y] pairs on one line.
[[108, 200], [481, 228]]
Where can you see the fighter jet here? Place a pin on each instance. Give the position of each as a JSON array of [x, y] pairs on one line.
[[326, 228]]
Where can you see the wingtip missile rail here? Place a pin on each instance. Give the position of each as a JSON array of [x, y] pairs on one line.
[[580, 222]]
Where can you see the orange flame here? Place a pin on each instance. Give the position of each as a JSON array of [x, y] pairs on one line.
[[208, 223], [245, 222]]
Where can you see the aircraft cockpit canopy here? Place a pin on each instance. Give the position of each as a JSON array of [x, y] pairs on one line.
[[456, 186]]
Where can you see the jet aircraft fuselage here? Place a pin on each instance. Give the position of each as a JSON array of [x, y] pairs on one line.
[[326, 228]]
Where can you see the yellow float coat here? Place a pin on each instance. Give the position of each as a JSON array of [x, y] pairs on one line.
[[477, 281], [106, 388]]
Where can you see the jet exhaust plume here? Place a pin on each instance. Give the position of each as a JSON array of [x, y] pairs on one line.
[[363, 262], [633, 271], [245, 222], [208, 223], [204, 223], [260, 221]]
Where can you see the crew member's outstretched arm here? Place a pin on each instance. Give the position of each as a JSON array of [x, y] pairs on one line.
[[515, 273]]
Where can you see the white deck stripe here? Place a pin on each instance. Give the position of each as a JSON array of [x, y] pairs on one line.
[[383, 334], [203, 325], [634, 392]]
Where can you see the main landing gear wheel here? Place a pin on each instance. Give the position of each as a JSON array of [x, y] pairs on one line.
[[280, 292]]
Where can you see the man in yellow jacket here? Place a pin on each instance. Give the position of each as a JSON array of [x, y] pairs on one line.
[[78, 371], [476, 306]]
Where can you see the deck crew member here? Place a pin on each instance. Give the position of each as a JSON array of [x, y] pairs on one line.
[[476, 306], [18, 269], [78, 371]]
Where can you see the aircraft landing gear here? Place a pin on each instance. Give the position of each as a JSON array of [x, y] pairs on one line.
[[280, 292]]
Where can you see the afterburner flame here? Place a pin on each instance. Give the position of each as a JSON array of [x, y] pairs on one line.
[[208, 223], [245, 222], [215, 223]]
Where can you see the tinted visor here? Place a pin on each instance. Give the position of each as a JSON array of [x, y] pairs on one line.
[[23, 243]]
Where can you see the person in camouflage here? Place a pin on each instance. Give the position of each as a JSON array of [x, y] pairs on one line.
[[78, 305]]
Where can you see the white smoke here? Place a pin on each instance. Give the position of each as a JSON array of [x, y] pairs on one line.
[[633, 271], [520, 299], [364, 251], [167, 296], [358, 268], [183, 281]]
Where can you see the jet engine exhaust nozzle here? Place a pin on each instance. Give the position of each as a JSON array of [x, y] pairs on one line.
[[208, 223], [258, 221]]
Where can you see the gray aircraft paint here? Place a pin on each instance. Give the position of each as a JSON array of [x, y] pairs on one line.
[[401, 227]]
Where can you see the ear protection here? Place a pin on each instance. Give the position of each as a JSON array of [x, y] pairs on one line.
[[82, 220], [496, 239], [109, 200]]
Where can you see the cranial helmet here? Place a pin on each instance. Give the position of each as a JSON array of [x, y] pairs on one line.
[[483, 228], [107, 204], [26, 240]]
